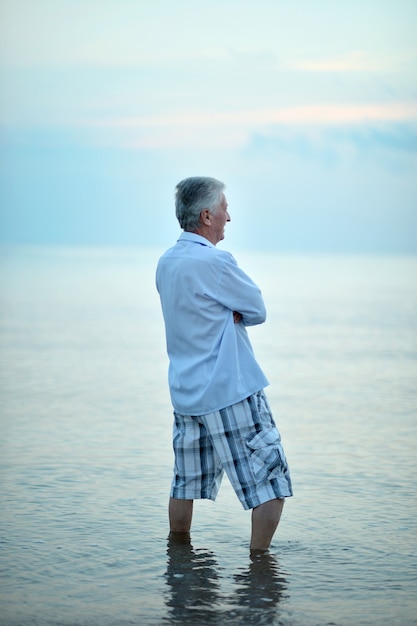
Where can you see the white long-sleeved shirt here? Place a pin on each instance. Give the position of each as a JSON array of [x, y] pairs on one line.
[[211, 361]]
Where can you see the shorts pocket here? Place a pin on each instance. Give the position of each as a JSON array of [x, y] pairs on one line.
[[266, 454]]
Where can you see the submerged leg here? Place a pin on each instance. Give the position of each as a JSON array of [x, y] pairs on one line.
[[180, 515], [265, 519]]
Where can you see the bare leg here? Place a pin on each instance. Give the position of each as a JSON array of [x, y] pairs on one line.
[[265, 519], [180, 515]]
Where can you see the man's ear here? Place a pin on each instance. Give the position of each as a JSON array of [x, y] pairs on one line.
[[205, 217]]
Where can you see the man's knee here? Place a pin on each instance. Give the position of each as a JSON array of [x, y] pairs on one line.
[[270, 510]]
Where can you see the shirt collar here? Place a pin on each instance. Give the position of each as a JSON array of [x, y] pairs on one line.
[[187, 236]]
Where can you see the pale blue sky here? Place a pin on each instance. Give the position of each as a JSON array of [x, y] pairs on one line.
[[307, 110]]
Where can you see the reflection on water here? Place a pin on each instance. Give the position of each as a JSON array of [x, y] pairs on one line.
[[261, 586], [195, 594], [193, 580]]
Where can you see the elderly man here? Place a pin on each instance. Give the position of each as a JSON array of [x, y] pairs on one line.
[[222, 420]]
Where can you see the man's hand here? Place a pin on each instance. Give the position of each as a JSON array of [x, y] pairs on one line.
[[237, 317]]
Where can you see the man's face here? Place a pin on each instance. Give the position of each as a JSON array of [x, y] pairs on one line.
[[218, 221]]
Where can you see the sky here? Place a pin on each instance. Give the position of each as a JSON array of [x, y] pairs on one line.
[[305, 109]]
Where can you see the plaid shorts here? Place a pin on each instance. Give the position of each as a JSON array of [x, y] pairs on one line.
[[241, 440]]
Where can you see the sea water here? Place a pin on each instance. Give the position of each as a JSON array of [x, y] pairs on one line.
[[86, 461]]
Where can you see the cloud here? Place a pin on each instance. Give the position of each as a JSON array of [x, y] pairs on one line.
[[397, 137], [359, 61], [316, 114], [233, 129], [389, 146], [58, 189]]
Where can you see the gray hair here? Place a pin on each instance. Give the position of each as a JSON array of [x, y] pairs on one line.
[[193, 196]]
